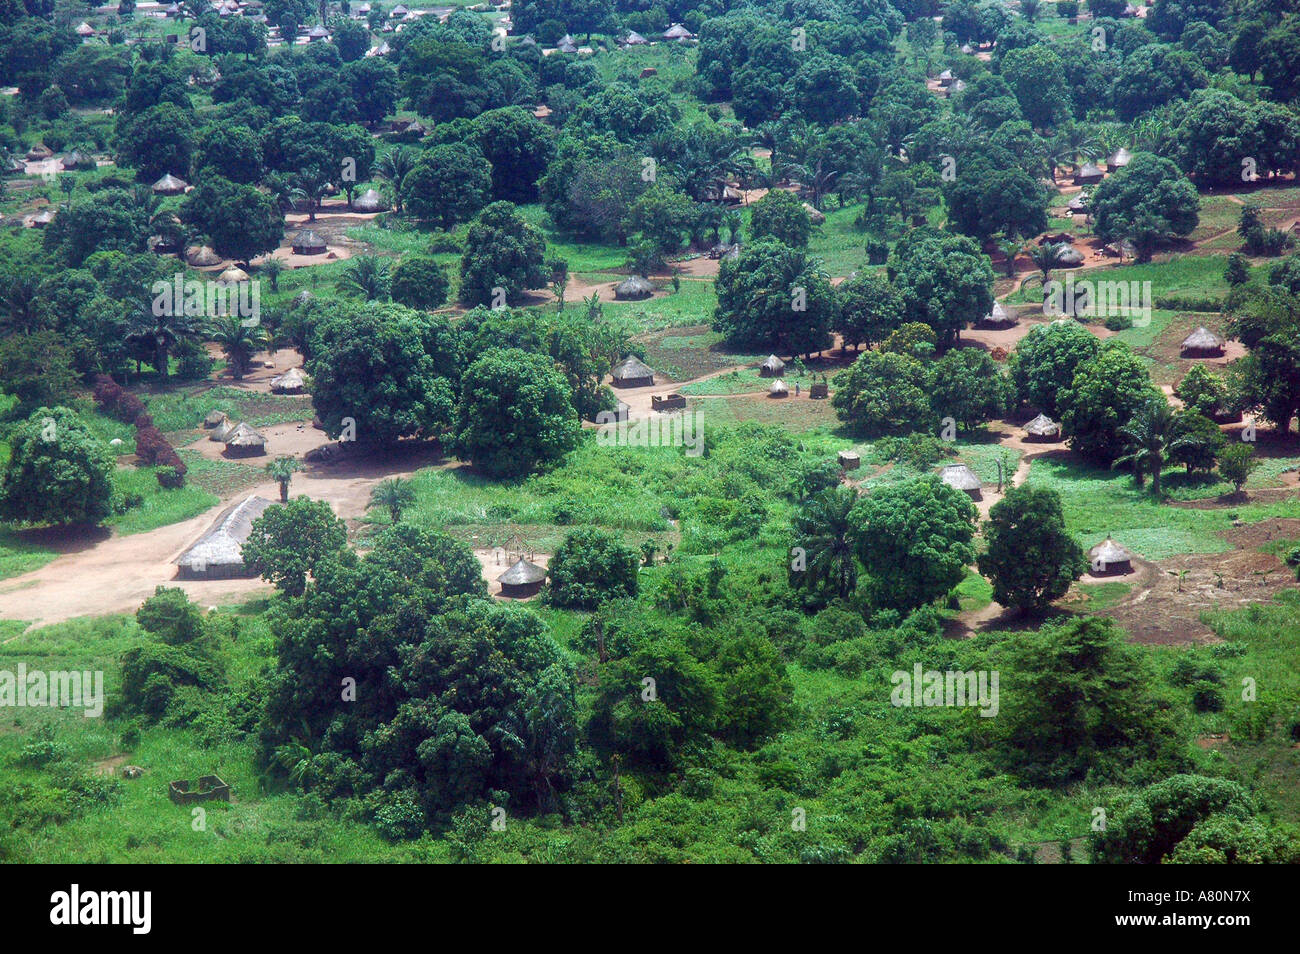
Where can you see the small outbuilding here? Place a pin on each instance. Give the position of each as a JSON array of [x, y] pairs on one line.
[[999, 316], [1120, 158], [202, 256], [960, 477], [635, 288], [215, 419], [1203, 343], [1108, 558], [217, 555], [633, 373], [291, 382], [521, 581], [169, 185], [773, 367], [946, 78], [242, 441], [678, 32], [1088, 174], [1078, 205], [663, 402], [233, 275], [779, 389], [1042, 430], [39, 153], [634, 39], [849, 460], [370, 201], [308, 242]]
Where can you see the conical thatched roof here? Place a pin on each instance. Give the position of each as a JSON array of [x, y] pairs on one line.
[[1078, 203], [291, 382], [567, 46], [959, 476], [1108, 552], [201, 256], [1042, 426], [39, 152], [779, 389], [1088, 171], [214, 418], [241, 435], [521, 574], [85, 29], [78, 160], [633, 367], [1069, 258], [678, 32], [318, 32], [633, 289], [1202, 339], [221, 430], [224, 541], [308, 242], [635, 39], [999, 315], [233, 274], [1119, 158], [169, 185], [370, 201], [815, 215], [773, 364]]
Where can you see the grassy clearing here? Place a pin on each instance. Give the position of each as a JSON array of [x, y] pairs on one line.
[[1098, 502], [185, 410]]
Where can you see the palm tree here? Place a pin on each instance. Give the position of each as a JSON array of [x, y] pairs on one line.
[[393, 166], [817, 178], [1011, 246], [238, 341], [824, 532], [395, 495], [1045, 258], [272, 268], [732, 221], [366, 276], [160, 334], [1148, 437], [19, 303], [282, 470]]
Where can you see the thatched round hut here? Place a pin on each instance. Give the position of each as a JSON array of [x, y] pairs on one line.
[[291, 382], [1043, 430], [634, 39], [233, 275], [78, 160], [221, 430], [678, 32], [635, 288], [215, 418], [779, 389], [1203, 343], [308, 242], [633, 373], [169, 185], [1120, 158], [1069, 258], [522, 580], [217, 555], [773, 367], [370, 201], [1088, 174], [39, 153], [960, 477], [999, 316], [1108, 558], [202, 256], [243, 441]]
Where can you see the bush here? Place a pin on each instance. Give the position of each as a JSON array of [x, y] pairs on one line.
[[590, 567]]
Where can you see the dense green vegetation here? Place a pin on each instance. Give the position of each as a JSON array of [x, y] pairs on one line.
[[740, 651]]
